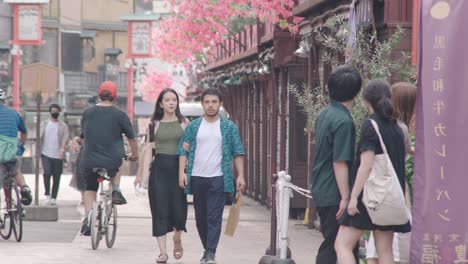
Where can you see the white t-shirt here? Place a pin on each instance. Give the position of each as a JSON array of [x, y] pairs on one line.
[[51, 147], [208, 152]]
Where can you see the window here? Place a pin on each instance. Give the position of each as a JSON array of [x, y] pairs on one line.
[[71, 52]]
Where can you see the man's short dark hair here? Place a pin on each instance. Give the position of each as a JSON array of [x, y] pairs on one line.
[[106, 96], [344, 83], [212, 91], [55, 106]]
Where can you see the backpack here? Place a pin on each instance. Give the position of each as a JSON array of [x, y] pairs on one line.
[[8, 148]]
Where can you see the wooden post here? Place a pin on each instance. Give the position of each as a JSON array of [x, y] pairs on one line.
[[16, 78], [39, 84], [130, 109]]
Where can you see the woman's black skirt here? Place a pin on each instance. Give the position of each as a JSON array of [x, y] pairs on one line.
[[168, 201]]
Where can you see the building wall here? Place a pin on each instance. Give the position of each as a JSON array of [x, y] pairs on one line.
[[103, 41], [99, 10], [121, 42], [51, 10], [5, 22], [110, 30], [5, 36], [70, 13]]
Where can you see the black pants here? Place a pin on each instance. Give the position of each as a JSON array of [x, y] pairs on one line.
[[52, 168], [168, 201], [208, 199], [329, 227]]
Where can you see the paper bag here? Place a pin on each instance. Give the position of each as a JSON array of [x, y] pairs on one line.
[[233, 218]]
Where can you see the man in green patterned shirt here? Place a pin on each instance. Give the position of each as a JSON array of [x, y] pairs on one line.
[[214, 142]]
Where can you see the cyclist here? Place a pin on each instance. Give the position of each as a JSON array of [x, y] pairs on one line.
[[11, 149], [102, 128]]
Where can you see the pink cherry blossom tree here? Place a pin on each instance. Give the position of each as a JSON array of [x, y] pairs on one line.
[[156, 81], [197, 25]]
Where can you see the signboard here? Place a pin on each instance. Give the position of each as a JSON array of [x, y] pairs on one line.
[[35, 74], [26, 1], [27, 24], [140, 32], [440, 230]]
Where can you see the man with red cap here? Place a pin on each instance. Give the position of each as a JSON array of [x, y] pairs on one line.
[[102, 128]]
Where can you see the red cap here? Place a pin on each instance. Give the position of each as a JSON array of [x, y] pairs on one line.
[[108, 86]]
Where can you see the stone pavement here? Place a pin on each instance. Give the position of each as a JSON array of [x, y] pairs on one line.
[[60, 242]]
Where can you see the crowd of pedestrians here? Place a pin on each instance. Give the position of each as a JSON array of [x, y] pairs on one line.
[[180, 157]]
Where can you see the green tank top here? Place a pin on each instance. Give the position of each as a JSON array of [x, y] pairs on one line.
[[167, 137]]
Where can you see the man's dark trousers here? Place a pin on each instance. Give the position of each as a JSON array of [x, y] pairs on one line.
[[329, 226], [52, 168], [208, 200]]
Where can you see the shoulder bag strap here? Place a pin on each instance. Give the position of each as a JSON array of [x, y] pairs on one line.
[[153, 126], [376, 127], [151, 131]]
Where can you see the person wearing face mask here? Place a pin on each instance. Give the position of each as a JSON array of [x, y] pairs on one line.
[[54, 138]]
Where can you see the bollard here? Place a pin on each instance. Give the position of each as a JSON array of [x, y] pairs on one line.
[[272, 255], [285, 197], [284, 204]]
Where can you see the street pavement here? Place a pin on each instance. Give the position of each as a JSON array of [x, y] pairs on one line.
[[60, 242]]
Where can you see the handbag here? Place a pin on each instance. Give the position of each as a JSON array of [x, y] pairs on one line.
[[382, 195], [146, 156]]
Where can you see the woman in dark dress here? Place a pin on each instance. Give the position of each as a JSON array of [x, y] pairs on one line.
[[377, 101], [168, 201]]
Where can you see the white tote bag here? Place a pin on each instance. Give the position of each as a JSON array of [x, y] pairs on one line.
[[382, 195]]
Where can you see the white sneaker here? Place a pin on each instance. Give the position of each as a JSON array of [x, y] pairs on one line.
[[53, 202], [47, 199]]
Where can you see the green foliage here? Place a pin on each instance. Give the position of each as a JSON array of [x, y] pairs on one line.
[[373, 58], [312, 101], [238, 23]]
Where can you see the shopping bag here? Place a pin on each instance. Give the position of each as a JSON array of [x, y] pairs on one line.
[[233, 218]]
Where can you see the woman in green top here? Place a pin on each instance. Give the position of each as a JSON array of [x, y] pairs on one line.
[[167, 200]]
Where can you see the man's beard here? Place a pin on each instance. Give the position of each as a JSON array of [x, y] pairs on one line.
[[213, 115]]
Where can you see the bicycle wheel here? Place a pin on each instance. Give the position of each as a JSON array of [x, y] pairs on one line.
[[111, 230], [95, 224], [5, 215], [16, 212]]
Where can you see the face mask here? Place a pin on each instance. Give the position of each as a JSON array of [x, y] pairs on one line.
[[55, 115]]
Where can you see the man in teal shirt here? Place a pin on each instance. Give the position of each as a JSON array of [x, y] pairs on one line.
[[334, 155], [214, 142]]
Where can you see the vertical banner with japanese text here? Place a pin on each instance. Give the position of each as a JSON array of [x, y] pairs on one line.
[[440, 211]]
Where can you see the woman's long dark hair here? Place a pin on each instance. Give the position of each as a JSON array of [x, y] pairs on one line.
[[378, 94], [159, 112]]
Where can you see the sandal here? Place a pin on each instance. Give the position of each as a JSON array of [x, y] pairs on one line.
[[162, 258], [178, 250]]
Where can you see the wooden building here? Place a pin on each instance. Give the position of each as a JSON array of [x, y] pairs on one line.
[[254, 69]]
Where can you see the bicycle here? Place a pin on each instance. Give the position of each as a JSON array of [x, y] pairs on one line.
[[103, 217], [11, 212]]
